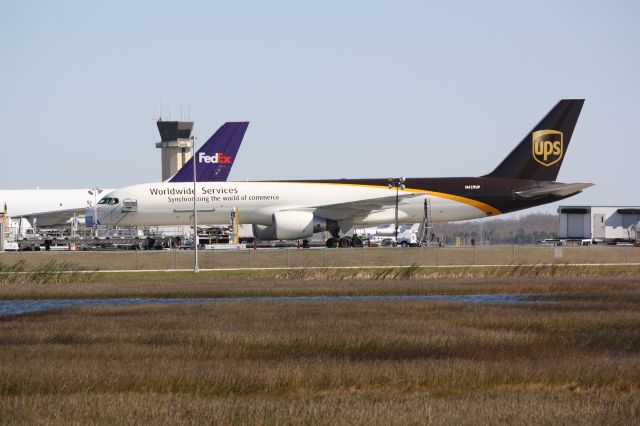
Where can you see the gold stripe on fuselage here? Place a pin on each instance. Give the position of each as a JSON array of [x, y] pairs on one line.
[[486, 208]]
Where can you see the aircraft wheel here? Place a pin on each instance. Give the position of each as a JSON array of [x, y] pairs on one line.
[[345, 242], [332, 242], [404, 244], [356, 242]]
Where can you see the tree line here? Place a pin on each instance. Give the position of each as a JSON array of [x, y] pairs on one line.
[[525, 229]]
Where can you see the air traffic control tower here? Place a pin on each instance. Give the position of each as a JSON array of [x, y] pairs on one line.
[[175, 145]]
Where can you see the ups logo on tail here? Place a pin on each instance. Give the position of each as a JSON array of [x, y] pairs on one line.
[[547, 147]]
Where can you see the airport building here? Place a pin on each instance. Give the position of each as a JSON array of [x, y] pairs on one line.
[[599, 224]]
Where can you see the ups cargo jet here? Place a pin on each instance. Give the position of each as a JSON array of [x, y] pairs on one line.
[[287, 210]]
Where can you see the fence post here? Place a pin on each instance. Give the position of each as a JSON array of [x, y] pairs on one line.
[[437, 257], [98, 259], [474, 254], [513, 254], [324, 260], [287, 257], [249, 258], [362, 257], [175, 259], [136, 259]]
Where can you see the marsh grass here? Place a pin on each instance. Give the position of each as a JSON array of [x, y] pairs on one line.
[[26, 268], [333, 362], [533, 407], [415, 271], [50, 272], [606, 288], [302, 283]]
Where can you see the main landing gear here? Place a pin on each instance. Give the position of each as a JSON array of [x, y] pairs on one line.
[[336, 241], [345, 242]]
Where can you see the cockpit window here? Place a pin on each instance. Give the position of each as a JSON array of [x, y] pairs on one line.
[[109, 201]]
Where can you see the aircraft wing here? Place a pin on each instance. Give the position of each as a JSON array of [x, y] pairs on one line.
[[559, 189], [56, 217], [349, 209]]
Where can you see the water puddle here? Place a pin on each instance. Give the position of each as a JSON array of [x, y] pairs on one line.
[[17, 307]]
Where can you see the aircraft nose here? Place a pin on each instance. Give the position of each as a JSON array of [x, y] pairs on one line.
[[101, 214], [98, 215]]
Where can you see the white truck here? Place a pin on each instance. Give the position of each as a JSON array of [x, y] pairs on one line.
[[408, 237]]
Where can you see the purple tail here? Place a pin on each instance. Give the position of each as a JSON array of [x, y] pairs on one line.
[[215, 158]]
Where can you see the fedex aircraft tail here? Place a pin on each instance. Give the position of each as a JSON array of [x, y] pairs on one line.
[[215, 158], [539, 155]]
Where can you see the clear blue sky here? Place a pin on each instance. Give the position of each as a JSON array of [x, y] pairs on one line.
[[332, 88]]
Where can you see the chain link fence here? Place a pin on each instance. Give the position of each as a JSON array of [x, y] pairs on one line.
[[136, 260]]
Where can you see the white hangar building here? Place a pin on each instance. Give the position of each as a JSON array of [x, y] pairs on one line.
[[599, 223]]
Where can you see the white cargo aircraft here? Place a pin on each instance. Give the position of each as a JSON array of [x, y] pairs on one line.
[[48, 207], [296, 209]]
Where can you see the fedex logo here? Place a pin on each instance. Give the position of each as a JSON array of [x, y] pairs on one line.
[[217, 158]]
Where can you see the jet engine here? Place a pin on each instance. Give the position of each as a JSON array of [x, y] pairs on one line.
[[263, 232], [291, 225]]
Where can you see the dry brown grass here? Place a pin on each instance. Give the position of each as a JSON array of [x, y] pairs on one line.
[[332, 362], [315, 283], [532, 407]]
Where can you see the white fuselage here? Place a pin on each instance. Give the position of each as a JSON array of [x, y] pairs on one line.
[[172, 203]]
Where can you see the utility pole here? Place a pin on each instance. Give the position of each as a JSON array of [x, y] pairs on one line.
[[3, 226], [398, 184], [196, 268], [95, 192]]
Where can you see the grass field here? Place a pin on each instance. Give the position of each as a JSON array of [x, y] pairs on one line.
[[390, 362], [48, 283], [284, 258]]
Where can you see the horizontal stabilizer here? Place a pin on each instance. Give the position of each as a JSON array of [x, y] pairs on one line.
[[559, 189]]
